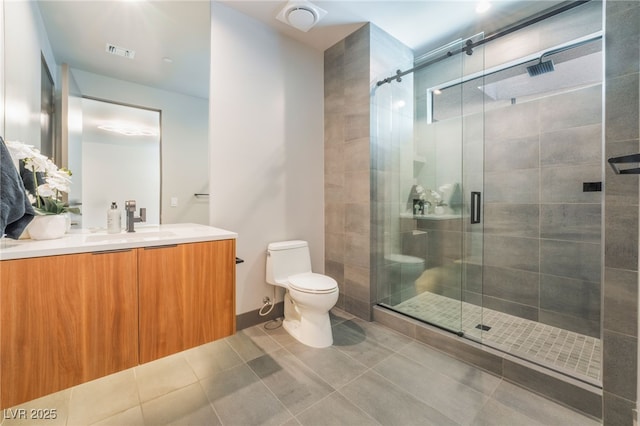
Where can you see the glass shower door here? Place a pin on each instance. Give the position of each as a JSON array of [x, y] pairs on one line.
[[531, 169], [488, 203], [427, 167]]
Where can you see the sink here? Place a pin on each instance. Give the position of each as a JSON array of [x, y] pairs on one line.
[[129, 236]]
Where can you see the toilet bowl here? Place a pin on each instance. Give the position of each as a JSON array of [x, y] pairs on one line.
[[409, 269], [308, 297]]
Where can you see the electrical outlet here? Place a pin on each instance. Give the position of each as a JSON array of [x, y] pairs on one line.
[[174, 201]]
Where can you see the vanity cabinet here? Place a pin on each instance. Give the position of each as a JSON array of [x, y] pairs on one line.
[[70, 318], [66, 320], [187, 296]]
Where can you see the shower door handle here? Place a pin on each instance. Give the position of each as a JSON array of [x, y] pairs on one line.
[[475, 206]]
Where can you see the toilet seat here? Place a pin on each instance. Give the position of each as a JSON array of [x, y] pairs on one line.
[[311, 282]]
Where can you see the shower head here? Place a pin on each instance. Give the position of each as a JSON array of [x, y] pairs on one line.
[[541, 67]]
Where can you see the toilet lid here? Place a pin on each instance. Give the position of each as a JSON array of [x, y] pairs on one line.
[[312, 283]]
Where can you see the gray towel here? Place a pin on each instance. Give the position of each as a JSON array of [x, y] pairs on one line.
[[15, 209]]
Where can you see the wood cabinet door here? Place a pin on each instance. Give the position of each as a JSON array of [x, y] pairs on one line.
[[110, 318], [65, 320], [187, 296]]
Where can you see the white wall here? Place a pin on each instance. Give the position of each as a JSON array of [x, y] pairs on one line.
[[26, 40], [267, 168], [2, 133], [184, 141]]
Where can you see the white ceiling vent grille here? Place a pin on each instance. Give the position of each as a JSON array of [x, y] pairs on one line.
[[301, 14], [120, 51]]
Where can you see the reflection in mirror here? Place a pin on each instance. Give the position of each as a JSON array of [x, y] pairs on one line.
[[47, 111], [120, 155], [169, 73]]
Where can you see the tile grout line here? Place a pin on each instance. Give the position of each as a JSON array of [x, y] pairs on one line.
[[514, 328], [283, 347]]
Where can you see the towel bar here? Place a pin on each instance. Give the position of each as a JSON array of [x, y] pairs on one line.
[[625, 159]]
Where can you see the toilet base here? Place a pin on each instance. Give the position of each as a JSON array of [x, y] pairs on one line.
[[311, 329]]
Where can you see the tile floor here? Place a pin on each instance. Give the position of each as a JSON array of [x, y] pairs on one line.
[[370, 376], [565, 351]]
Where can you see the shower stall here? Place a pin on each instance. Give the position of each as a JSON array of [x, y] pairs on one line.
[[487, 198]]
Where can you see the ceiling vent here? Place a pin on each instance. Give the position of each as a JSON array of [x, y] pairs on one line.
[[301, 14], [120, 51]]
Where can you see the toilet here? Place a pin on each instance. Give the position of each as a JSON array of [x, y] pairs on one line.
[[308, 296], [407, 269]]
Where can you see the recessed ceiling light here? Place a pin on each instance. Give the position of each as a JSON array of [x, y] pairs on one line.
[[483, 6], [127, 129], [167, 60]]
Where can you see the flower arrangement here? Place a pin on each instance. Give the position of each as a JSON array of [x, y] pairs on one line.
[[49, 182], [422, 200]]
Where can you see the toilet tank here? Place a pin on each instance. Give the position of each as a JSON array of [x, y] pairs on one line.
[[287, 258]]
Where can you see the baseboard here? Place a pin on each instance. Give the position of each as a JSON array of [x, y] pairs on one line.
[[251, 318]]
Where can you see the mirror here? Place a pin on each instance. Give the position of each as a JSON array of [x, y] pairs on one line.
[[164, 67], [122, 135]]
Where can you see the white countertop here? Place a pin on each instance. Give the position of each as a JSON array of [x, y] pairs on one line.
[[86, 241], [432, 216]]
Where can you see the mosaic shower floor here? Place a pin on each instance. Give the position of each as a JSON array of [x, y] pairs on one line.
[[565, 351]]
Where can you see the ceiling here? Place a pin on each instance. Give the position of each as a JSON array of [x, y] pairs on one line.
[[179, 31], [79, 31], [420, 24]]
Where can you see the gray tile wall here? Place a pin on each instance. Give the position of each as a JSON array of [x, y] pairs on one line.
[[542, 251], [346, 158], [352, 164], [620, 290]]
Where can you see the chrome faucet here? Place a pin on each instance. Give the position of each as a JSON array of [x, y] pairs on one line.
[[130, 208]]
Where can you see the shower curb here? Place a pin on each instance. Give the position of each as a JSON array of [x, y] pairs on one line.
[[575, 394]]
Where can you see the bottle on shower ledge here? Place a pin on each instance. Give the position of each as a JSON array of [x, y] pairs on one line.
[[114, 219]]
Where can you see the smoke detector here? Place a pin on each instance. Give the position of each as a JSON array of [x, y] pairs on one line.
[[120, 51], [301, 14]]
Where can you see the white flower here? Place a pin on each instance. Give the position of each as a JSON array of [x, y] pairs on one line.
[[46, 190], [38, 163], [48, 196], [59, 180], [19, 150]]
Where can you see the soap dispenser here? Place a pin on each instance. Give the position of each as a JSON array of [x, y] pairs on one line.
[[114, 220]]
